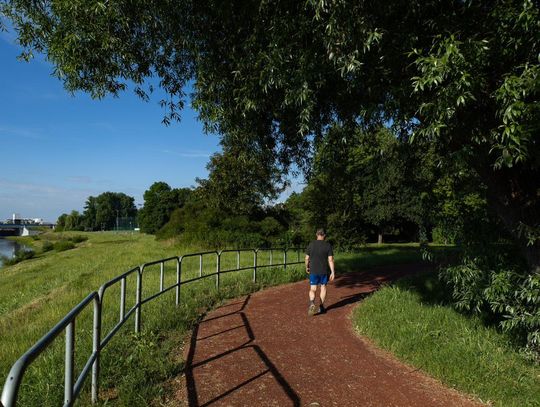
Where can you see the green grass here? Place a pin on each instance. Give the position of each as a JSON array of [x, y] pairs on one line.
[[410, 319], [374, 255], [37, 293]]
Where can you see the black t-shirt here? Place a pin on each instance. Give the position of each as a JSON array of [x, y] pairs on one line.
[[318, 252]]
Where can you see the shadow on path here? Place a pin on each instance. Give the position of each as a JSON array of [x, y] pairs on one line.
[[259, 351], [193, 397]]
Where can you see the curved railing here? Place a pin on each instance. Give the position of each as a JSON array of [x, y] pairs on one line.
[[73, 387]]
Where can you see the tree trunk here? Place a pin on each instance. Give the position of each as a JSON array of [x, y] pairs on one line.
[[380, 238]]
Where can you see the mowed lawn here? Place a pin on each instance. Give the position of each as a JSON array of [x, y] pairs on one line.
[[409, 319]]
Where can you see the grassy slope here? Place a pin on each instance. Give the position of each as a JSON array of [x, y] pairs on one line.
[[37, 293], [408, 319]]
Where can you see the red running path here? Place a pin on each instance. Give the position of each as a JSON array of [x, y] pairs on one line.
[[264, 350]]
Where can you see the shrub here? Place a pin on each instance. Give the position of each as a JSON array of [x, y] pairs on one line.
[[499, 289], [78, 238], [20, 255], [63, 245], [47, 246]]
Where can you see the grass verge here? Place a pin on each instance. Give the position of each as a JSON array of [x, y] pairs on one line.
[[411, 320]]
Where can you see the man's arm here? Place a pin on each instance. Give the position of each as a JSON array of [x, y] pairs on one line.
[[307, 263], [331, 264]]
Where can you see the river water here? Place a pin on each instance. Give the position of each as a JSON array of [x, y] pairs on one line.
[[8, 248]]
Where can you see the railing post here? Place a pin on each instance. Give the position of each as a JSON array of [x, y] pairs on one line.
[[218, 267], [200, 265], [138, 304], [285, 259], [255, 265], [161, 275], [122, 298], [271, 256], [178, 279], [96, 345], [70, 352], [237, 259]]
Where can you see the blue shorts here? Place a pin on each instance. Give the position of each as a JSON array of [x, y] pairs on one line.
[[318, 279]]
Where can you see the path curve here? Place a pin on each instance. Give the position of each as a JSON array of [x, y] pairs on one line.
[[263, 350]]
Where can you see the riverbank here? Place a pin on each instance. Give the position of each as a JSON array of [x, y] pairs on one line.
[[9, 247]]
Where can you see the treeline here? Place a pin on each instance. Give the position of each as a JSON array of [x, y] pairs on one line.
[[102, 212], [363, 186]]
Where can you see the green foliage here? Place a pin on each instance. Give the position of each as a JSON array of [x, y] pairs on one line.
[[199, 223], [160, 200], [242, 177], [103, 211], [61, 222], [77, 238], [368, 183], [494, 286], [20, 255], [63, 245], [465, 81], [47, 246]]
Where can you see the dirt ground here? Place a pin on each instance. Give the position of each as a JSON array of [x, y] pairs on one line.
[[264, 350]]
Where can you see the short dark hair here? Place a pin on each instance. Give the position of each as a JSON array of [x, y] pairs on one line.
[[321, 232]]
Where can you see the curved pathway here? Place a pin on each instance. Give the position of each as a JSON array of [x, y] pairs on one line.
[[264, 350]]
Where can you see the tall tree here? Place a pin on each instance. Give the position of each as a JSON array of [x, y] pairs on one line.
[[464, 75], [74, 221], [160, 200], [369, 184], [103, 212]]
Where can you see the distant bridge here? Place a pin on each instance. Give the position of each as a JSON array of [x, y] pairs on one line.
[[11, 230]]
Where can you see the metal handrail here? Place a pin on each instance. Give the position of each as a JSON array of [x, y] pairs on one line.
[[72, 389]]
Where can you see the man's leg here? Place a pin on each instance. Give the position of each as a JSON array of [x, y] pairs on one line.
[[312, 291], [322, 294], [312, 309]]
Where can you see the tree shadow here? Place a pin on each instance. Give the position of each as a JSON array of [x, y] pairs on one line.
[[367, 282], [192, 392], [350, 299]]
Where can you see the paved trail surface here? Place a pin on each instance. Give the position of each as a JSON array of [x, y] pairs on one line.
[[263, 350]]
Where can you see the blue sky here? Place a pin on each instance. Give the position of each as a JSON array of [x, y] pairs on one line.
[[57, 149]]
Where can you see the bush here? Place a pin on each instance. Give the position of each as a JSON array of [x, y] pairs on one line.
[[20, 255], [63, 245], [78, 238], [47, 246], [500, 290]]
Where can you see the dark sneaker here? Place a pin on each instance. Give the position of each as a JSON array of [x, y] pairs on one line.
[[322, 310], [312, 310]]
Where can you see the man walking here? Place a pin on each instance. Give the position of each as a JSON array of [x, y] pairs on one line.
[[319, 260]]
